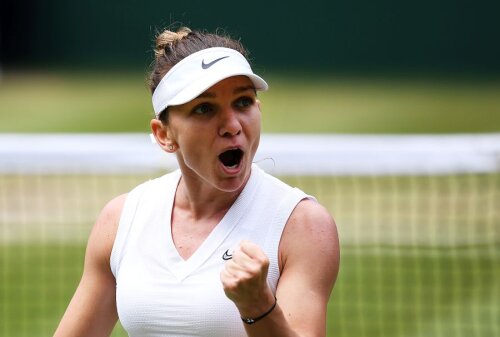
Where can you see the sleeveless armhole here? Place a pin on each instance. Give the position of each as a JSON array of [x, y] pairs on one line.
[[124, 227], [278, 223]]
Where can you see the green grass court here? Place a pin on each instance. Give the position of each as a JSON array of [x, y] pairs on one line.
[[420, 254], [392, 292]]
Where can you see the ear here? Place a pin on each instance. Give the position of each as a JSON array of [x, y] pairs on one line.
[[163, 136]]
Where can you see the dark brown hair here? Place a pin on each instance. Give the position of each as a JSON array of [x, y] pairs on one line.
[[172, 47]]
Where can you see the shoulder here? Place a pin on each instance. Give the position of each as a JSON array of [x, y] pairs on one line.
[[310, 233], [310, 215], [104, 231], [109, 217]]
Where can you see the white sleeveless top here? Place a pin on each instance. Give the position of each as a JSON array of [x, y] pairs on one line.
[[158, 293]]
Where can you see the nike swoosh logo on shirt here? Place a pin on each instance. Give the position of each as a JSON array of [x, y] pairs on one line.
[[209, 64], [226, 256]]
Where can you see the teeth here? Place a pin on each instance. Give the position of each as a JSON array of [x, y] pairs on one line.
[[232, 167]]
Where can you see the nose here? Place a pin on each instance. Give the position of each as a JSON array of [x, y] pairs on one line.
[[229, 123]]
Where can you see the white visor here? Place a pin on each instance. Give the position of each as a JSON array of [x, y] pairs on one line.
[[198, 72]]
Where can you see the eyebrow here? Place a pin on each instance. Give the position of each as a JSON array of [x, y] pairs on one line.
[[237, 90]]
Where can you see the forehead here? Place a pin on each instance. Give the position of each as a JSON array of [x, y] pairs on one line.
[[230, 85]]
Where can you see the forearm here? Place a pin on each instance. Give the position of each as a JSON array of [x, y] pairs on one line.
[[274, 324], [245, 283]]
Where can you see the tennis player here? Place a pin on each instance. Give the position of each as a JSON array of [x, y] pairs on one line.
[[218, 248]]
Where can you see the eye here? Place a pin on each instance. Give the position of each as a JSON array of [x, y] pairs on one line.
[[203, 109], [244, 102]]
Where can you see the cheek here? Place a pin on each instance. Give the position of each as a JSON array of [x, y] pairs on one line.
[[254, 129], [194, 145], [255, 121], [185, 136], [258, 123]]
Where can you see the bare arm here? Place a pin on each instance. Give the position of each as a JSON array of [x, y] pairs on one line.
[[309, 260], [92, 310]]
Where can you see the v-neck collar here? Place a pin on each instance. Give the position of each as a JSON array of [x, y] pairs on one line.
[[181, 268]]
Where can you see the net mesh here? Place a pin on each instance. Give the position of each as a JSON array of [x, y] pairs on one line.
[[420, 252]]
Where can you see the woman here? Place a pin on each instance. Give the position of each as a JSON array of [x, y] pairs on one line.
[[219, 247]]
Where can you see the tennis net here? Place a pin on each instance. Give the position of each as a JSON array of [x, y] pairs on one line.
[[418, 219]]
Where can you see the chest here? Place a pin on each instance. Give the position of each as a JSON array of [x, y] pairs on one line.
[[167, 268], [188, 234], [152, 299]]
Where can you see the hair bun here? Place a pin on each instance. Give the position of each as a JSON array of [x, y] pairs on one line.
[[167, 38]]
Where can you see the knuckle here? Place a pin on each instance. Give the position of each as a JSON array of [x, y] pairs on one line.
[[255, 269], [263, 260], [229, 286]]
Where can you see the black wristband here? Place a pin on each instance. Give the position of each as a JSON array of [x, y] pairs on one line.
[[253, 320]]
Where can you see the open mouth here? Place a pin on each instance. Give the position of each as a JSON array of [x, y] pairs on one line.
[[231, 158]]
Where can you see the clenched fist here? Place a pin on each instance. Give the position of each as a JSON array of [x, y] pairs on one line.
[[244, 279]]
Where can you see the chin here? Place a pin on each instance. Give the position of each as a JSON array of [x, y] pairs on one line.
[[235, 182]]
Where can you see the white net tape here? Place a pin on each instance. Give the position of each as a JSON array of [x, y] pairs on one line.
[[281, 154]]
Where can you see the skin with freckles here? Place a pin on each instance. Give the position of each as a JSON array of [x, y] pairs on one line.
[[215, 137], [306, 279], [244, 278], [226, 116]]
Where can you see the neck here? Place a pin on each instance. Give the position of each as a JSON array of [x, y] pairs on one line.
[[202, 200]]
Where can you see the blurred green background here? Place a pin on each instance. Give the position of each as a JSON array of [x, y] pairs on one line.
[[117, 102], [333, 67]]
